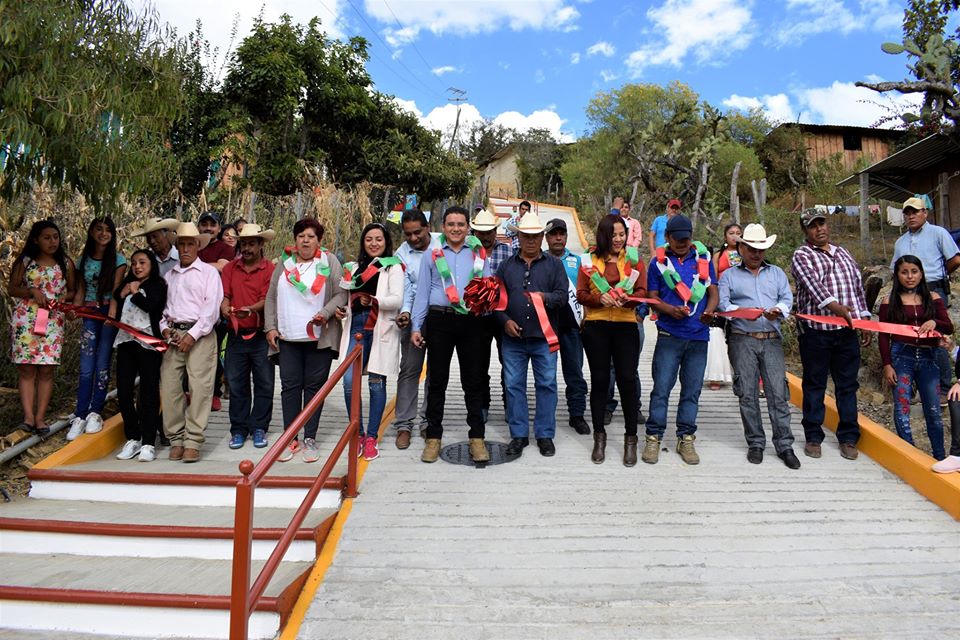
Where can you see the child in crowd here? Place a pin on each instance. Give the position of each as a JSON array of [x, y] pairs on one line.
[[100, 270], [42, 273], [139, 302], [908, 359]]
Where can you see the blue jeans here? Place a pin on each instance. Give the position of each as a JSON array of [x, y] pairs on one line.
[[611, 401], [96, 352], [376, 382], [917, 364], [835, 354], [245, 359], [517, 352], [571, 363], [673, 357]]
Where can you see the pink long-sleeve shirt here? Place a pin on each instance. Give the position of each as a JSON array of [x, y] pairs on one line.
[[194, 294]]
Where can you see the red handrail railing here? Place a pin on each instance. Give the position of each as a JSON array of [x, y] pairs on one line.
[[243, 596]]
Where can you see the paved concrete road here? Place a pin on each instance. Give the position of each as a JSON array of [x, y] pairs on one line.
[[562, 548]]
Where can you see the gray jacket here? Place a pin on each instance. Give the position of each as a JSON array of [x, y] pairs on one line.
[[335, 296]]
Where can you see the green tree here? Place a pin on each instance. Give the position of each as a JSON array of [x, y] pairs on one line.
[[539, 158], [88, 93], [483, 139]]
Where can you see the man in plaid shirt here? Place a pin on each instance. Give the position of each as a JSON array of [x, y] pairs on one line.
[[828, 283]]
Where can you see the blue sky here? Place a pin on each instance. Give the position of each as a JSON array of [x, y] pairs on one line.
[[539, 62]]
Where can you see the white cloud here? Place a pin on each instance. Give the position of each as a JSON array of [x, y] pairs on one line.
[[408, 105], [442, 119], [602, 48], [469, 17], [806, 18], [841, 103], [608, 76], [439, 71], [574, 58], [708, 29], [217, 17], [776, 107], [541, 119]]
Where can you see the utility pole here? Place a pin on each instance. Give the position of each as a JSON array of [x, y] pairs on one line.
[[459, 97]]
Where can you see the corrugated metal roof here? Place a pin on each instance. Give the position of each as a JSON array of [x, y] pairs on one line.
[[888, 176]]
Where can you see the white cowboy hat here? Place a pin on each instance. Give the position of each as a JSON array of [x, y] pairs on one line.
[[756, 236], [529, 223], [484, 221], [157, 224], [253, 230], [189, 230]]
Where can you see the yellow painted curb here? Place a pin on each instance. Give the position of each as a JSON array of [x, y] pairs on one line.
[[89, 446], [583, 236], [325, 559], [894, 454]]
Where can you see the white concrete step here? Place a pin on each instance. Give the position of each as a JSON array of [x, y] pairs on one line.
[[149, 531]]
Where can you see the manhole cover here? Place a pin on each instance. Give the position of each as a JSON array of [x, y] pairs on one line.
[[459, 453]]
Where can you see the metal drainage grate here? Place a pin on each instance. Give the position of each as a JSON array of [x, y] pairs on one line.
[[459, 453]]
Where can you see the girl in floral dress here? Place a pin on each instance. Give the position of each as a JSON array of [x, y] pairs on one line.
[[42, 273]]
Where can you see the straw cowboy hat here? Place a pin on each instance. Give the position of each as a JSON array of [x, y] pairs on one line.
[[529, 223], [484, 221], [252, 230], [756, 236], [189, 230], [157, 224]]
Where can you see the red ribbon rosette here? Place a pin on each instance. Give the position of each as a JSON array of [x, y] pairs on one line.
[[484, 295]]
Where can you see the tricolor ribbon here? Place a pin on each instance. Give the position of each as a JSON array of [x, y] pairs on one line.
[[447, 278], [290, 272], [892, 328], [91, 313], [353, 278], [698, 288]]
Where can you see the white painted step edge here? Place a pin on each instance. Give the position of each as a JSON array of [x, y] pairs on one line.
[[81, 544], [198, 496], [130, 621]]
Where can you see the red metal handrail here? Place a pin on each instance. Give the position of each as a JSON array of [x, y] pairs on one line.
[[243, 596]]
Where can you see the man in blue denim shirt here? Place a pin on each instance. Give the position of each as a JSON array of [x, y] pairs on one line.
[[681, 337], [531, 272], [755, 346]]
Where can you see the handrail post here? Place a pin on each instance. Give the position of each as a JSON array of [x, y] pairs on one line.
[[354, 422], [242, 553]]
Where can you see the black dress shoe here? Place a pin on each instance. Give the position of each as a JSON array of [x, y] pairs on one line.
[[607, 418], [546, 447], [790, 459], [580, 425], [515, 448], [755, 455]]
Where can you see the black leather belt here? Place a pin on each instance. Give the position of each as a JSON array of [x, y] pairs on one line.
[[442, 309], [759, 335], [181, 326]]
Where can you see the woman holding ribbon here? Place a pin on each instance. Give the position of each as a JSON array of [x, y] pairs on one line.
[[100, 271], [609, 277], [42, 273], [375, 283], [300, 303], [139, 302], [718, 369], [911, 358]]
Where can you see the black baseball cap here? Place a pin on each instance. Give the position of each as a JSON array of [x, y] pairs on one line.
[[209, 215], [556, 224], [679, 227]]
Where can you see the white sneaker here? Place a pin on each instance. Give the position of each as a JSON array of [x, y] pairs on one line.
[[147, 453], [94, 423], [76, 429], [947, 465], [130, 449]]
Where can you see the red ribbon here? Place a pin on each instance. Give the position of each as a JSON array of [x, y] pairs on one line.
[[92, 314], [485, 295], [892, 328], [746, 313], [235, 324], [552, 340], [41, 322]]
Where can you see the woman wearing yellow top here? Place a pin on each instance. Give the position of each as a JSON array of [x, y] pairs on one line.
[[607, 274]]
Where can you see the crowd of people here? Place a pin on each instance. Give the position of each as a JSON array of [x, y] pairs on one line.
[[227, 313]]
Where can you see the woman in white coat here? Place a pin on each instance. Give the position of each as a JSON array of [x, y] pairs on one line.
[[375, 282]]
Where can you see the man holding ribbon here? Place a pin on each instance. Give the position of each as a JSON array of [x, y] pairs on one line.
[[682, 278], [536, 289], [828, 283], [194, 293], [440, 316], [245, 285], [755, 345], [568, 328], [416, 231]]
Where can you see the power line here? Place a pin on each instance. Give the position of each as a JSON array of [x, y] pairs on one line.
[[397, 60], [412, 43]]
